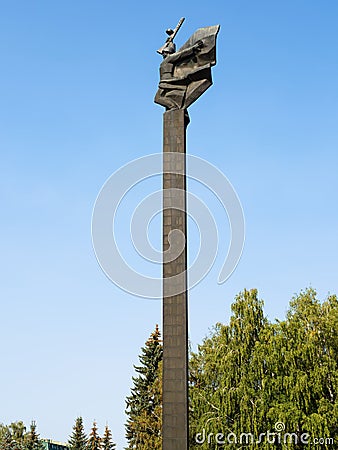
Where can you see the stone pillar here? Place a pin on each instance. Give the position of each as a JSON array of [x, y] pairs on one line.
[[175, 315]]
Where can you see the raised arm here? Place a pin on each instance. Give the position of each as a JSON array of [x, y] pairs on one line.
[[186, 53]]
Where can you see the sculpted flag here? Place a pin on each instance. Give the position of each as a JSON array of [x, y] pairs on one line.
[[186, 74]]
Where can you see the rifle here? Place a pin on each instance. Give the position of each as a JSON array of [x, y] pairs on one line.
[[172, 34]]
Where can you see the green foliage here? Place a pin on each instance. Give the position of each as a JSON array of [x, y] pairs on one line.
[[32, 439], [18, 431], [251, 374], [15, 437], [246, 377], [78, 439], [94, 440], [143, 428], [107, 440], [6, 442]]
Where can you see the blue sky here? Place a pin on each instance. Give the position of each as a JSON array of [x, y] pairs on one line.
[[77, 86]]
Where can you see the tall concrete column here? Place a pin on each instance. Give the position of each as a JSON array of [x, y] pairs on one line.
[[175, 314]]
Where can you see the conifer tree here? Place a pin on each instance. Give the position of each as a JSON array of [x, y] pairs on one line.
[[32, 439], [107, 440], [94, 440], [143, 428], [78, 439]]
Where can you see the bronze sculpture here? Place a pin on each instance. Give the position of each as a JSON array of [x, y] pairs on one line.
[[186, 74]]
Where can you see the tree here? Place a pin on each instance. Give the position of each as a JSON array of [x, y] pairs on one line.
[[32, 439], [6, 439], [78, 439], [18, 430], [107, 440], [94, 440], [224, 380], [144, 405], [13, 436], [307, 385], [252, 374]]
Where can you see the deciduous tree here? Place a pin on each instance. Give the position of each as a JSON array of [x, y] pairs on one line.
[[252, 374]]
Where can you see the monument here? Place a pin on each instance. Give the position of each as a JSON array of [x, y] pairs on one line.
[[184, 76]]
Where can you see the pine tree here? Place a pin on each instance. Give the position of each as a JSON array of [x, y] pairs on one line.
[[78, 439], [107, 440], [32, 439], [94, 440], [144, 405]]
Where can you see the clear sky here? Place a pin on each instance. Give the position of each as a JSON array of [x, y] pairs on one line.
[[76, 87]]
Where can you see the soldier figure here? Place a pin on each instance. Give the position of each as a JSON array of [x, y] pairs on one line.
[[172, 89], [185, 74]]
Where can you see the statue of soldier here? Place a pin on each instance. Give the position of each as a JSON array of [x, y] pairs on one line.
[[185, 74], [172, 89]]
